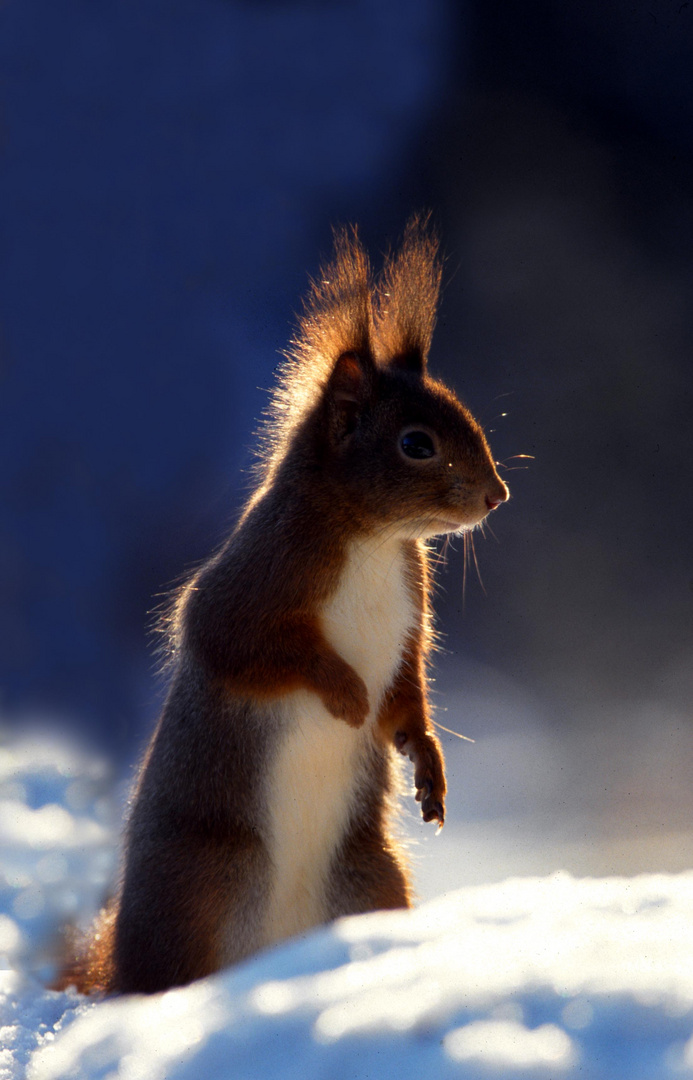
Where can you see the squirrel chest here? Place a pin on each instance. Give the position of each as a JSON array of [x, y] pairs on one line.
[[319, 767]]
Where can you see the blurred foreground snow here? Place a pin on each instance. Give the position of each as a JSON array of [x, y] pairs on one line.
[[545, 977], [57, 847]]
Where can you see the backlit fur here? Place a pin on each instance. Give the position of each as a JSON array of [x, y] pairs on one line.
[[298, 651]]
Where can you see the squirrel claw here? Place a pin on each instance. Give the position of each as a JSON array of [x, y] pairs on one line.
[[433, 812], [431, 807], [424, 790]]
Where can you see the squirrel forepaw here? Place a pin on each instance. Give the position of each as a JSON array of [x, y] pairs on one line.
[[429, 778], [349, 700]]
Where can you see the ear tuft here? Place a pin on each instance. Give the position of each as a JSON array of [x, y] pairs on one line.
[[337, 320], [407, 299]]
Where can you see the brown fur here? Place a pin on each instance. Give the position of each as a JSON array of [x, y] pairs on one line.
[[247, 631]]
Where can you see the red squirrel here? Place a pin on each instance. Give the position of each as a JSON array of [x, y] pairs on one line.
[[299, 649]]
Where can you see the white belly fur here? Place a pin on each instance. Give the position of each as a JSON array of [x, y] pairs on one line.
[[315, 771]]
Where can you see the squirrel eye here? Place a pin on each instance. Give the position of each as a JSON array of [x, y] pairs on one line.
[[417, 444]]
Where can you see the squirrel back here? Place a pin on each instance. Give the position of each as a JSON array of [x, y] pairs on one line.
[[299, 649]]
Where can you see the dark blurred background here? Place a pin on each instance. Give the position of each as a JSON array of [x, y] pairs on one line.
[[169, 174]]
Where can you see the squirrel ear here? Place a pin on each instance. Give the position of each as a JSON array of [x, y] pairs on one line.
[[349, 388], [350, 379]]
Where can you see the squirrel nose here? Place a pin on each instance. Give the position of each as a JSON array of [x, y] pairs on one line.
[[492, 501]]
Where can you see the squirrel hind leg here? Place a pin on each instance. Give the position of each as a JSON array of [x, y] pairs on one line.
[[191, 911], [368, 873]]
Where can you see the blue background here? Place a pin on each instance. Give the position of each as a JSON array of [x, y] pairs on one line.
[[169, 174]]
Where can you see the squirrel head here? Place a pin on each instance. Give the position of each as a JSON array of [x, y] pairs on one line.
[[357, 411]]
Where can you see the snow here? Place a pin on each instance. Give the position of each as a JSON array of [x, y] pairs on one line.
[[551, 976], [57, 848]]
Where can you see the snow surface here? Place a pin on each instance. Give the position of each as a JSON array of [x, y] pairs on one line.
[[546, 976]]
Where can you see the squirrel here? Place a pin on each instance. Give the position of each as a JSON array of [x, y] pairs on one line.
[[299, 650]]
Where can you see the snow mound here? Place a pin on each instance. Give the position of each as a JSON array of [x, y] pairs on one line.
[[536, 976], [533, 977]]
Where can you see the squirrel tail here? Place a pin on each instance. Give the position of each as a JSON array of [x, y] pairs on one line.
[[88, 957]]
